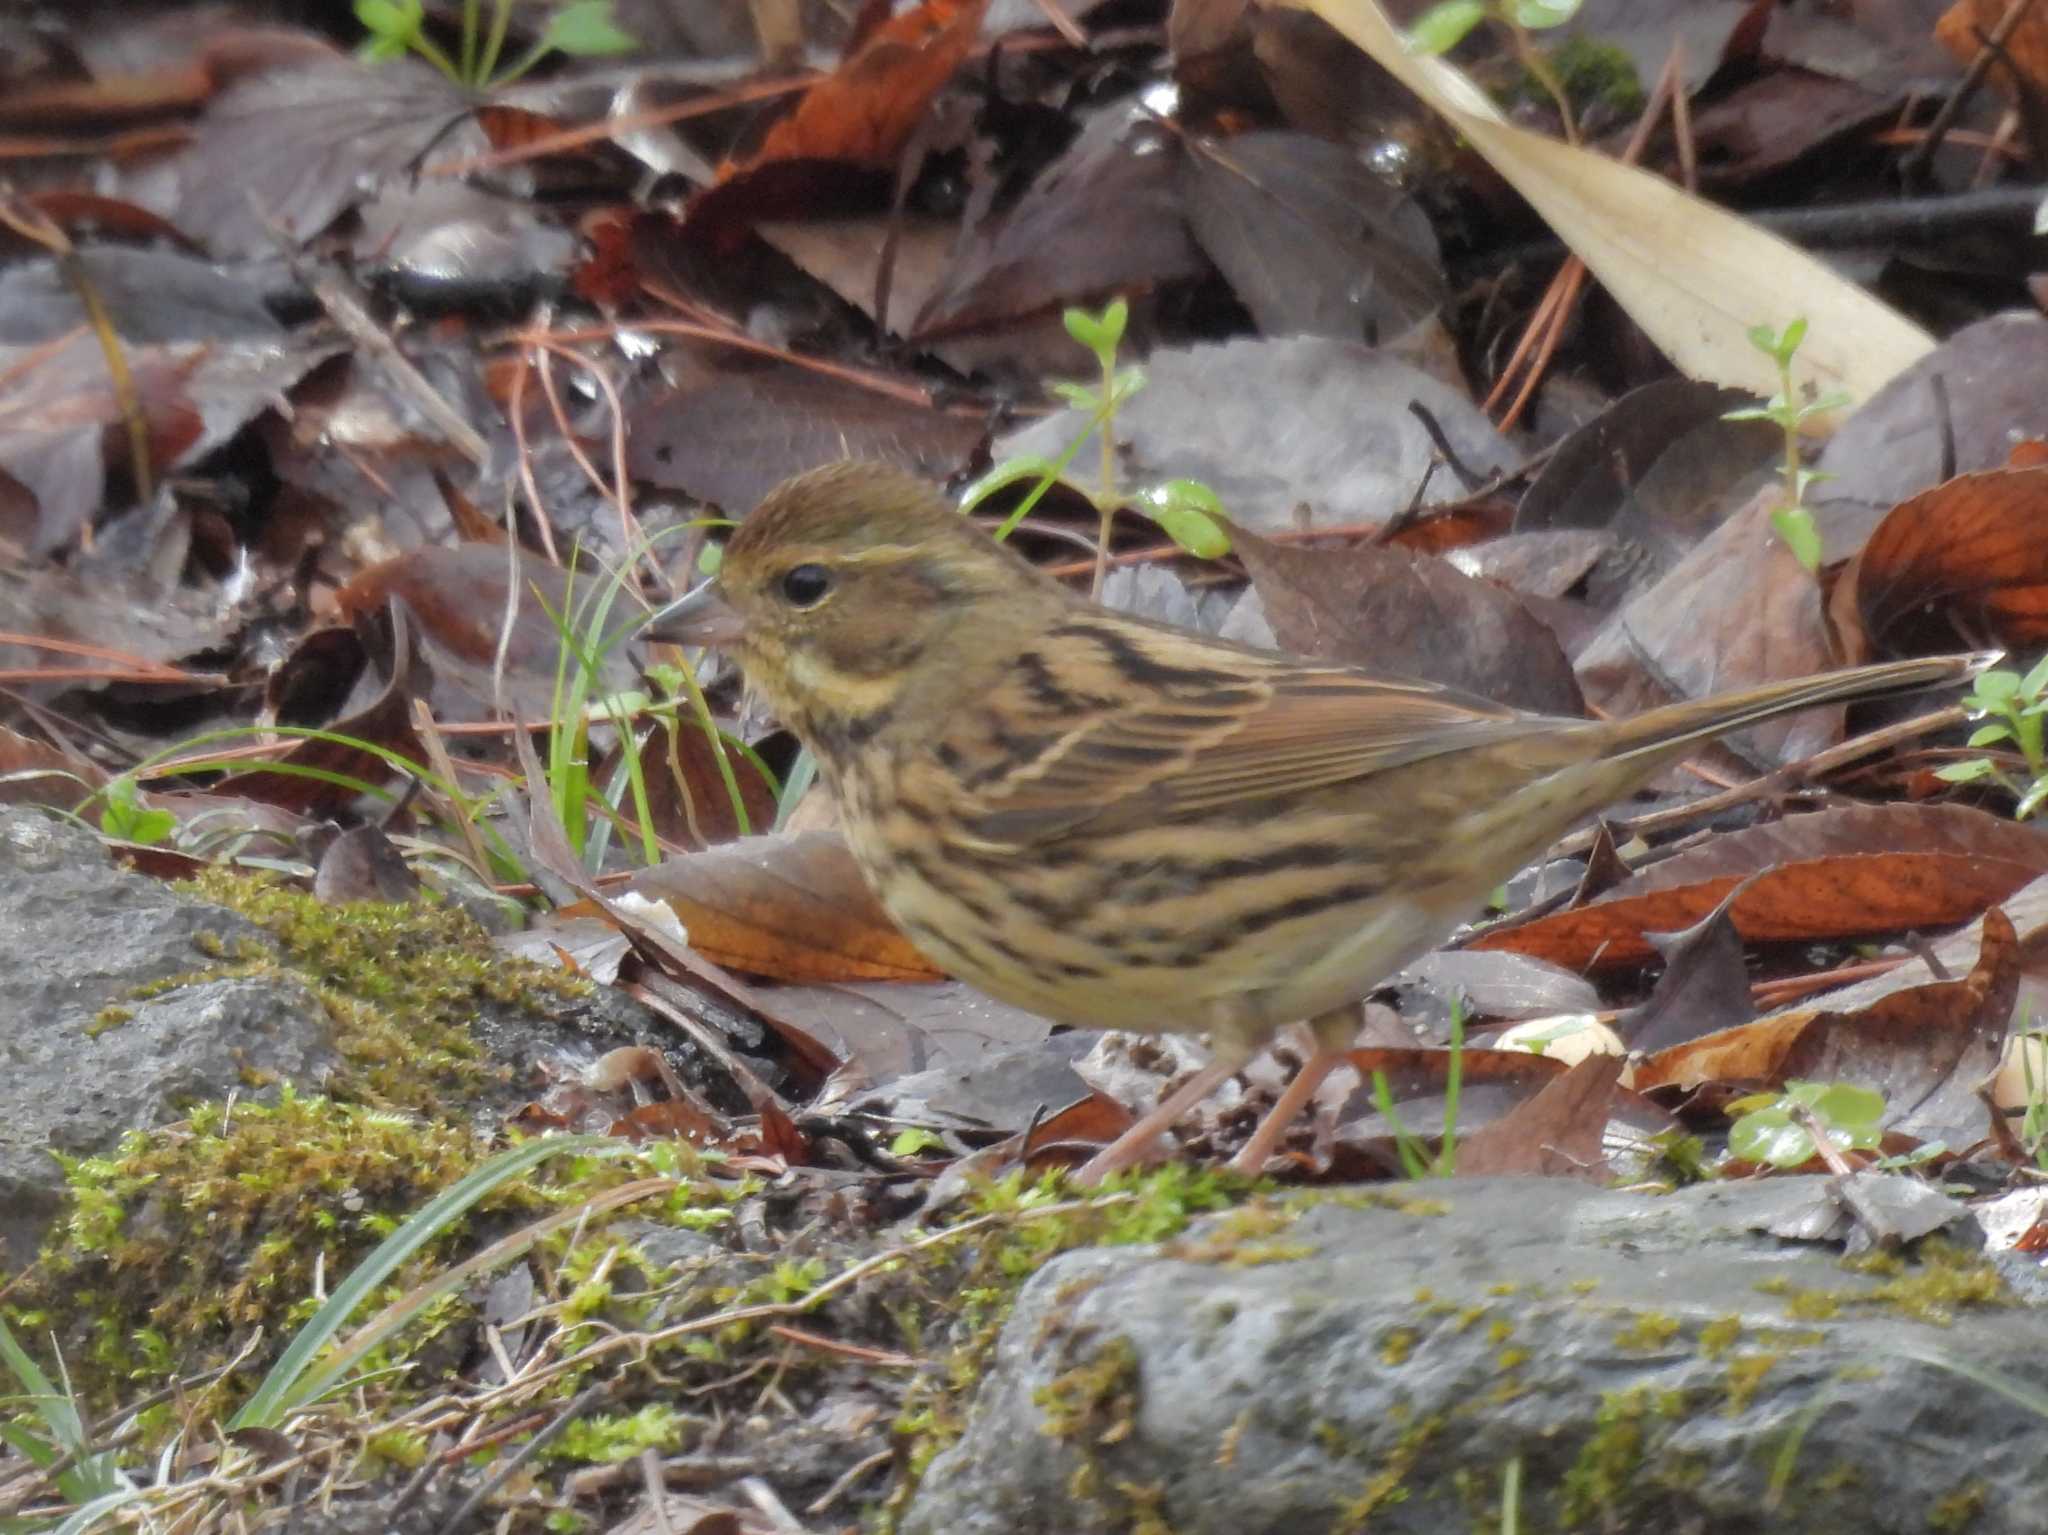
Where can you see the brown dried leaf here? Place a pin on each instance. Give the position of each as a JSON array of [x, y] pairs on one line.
[[1895, 444], [864, 111], [1105, 217], [1838, 874], [1353, 452], [1737, 611], [1966, 561], [1312, 240], [297, 147], [1412, 615], [687, 800], [1658, 469], [1555, 1134], [793, 908], [732, 429], [1927, 1048]]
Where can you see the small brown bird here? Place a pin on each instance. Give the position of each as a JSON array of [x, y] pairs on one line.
[[1122, 825]]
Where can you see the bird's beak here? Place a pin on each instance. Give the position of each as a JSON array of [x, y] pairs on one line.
[[700, 617]]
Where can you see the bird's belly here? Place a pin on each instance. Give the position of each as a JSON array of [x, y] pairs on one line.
[[969, 929], [1160, 947]]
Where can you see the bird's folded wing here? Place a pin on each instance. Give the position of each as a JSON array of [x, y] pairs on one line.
[[1281, 728]]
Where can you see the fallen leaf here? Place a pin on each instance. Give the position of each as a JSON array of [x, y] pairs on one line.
[[790, 908], [1410, 615], [1694, 277], [1837, 874], [1556, 1134], [1964, 562]]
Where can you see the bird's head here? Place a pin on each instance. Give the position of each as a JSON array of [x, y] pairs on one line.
[[852, 584]]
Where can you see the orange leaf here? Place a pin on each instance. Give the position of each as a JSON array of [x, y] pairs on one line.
[[1840, 874], [864, 112], [791, 908]]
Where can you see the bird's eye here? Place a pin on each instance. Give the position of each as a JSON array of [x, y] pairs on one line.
[[805, 586]]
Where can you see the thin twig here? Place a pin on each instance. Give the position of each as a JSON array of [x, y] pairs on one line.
[[1913, 168]]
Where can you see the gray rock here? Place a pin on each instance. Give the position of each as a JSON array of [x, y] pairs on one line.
[[78, 936], [1378, 1366]]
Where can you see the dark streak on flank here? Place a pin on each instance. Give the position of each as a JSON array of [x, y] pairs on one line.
[[948, 884], [855, 730], [1261, 918], [1361, 691], [1036, 968], [1293, 855], [1058, 913]]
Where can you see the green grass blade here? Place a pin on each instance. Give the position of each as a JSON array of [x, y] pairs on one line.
[[289, 1382]]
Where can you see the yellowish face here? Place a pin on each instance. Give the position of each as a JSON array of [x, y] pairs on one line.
[[846, 581]]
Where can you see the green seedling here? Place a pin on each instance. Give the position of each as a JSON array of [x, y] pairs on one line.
[[1793, 519], [1442, 27], [2012, 707], [1187, 511], [124, 817], [580, 29]]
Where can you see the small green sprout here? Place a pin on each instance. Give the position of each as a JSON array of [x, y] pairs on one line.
[[2012, 707], [1187, 511], [1793, 519], [581, 29], [1442, 27], [124, 817], [916, 1139]]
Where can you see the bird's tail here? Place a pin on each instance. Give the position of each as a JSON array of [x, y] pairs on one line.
[[1659, 731]]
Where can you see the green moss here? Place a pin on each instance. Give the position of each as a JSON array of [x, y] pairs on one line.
[[405, 1448], [1144, 1510], [1096, 1401], [1598, 74], [1154, 1205], [1813, 1305], [1944, 1280], [1398, 1198], [184, 1239], [1243, 1238], [1649, 1332], [1720, 1335], [184, 1235], [1389, 1484], [108, 1018], [1602, 1477], [603, 1439], [1746, 1373], [400, 983], [1397, 1347], [1959, 1510]]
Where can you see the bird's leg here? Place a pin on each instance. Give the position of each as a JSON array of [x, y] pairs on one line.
[[1334, 1033], [1131, 1148]]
